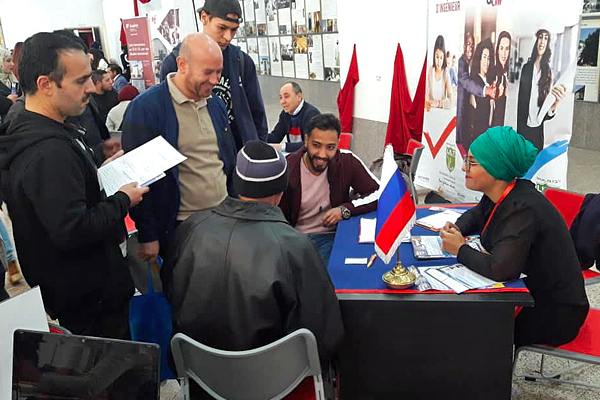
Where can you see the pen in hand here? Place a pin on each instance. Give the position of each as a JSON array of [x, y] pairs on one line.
[[371, 260]]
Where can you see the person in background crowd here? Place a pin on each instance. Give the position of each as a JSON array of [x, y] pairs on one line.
[[16, 53], [321, 175], [125, 62], [481, 73], [6, 75], [438, 90], [183, 110], [293, 119], [116, 74], [522, 232], [70, 236], [97, 59], [115, 115], [105, 98], [221, 299], [501, 80], [238, 86]]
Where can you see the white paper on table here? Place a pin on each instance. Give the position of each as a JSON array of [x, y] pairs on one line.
[[435, 284], [467, 277], [437, 221], [25, 311], [436, 274], [356, 261], [144, 165], [366, 232]]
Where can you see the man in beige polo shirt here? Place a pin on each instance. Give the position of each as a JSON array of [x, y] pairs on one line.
[[183, 111]]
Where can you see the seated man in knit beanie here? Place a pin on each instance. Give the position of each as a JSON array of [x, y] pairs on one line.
[[233, 292], [293, 119]]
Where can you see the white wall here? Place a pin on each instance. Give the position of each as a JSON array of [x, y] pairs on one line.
[[23, 18], [376, 27]]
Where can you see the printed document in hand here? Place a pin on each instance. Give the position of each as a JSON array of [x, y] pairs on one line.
[[144, 165], [436, 222]]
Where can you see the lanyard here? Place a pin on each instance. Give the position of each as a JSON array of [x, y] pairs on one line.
[[504, 194]]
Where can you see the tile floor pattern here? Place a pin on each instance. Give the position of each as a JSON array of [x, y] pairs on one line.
[[583, 174]]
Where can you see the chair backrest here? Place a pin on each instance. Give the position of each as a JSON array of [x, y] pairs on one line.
[[268, 372], [415, 161], [567, 203]]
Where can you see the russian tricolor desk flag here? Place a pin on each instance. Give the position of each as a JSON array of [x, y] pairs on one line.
[[395, 209]]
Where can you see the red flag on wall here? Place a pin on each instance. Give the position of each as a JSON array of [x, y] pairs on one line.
[[123, 37], [345, 99], [406, 114]]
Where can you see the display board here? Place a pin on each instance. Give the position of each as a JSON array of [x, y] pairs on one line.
[[493, 63], [295, 39]]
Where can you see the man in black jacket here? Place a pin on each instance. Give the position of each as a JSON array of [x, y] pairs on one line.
[[69, 235], [232, 292], [293, 120]]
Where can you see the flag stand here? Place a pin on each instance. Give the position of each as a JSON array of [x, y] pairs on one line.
[[399, 277]]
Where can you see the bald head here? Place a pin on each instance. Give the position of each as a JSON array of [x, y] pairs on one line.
[[200, 64]]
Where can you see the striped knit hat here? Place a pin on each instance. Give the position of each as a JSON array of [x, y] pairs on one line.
[[261, 171]]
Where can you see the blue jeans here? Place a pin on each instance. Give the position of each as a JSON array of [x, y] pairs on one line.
[[324, 243], [8, 246]]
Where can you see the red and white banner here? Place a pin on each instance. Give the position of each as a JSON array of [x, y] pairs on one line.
[[139, 49]]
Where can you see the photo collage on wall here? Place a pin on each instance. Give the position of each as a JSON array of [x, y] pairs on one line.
[[291, 38]]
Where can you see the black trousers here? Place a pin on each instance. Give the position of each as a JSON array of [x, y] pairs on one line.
[[552, 324], [112, 324]]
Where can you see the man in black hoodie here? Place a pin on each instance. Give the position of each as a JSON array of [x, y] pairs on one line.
[[67, 232]]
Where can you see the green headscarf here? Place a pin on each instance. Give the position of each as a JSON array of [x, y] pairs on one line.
[[504, 153]]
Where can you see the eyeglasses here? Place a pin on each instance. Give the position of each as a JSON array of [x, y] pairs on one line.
[[469, 163]]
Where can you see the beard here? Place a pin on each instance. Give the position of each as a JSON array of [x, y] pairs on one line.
[[318, 168]]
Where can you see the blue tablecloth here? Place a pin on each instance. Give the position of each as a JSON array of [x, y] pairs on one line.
[[359, 279]]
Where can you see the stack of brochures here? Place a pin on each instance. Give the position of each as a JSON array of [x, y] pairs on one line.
[[457, 278], [430, 247], [436, 222]]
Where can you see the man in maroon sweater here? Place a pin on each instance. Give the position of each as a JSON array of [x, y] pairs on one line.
[[321, 175]]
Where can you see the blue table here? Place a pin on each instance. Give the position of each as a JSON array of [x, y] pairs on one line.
[[419, 345]]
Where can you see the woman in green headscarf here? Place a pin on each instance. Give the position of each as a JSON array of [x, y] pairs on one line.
[[522, 232]]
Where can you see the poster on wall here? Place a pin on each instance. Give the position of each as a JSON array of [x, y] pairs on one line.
[[331, 50], [315, 57], [591, 7], [272, 21], [586, 79], [329, 14], [137, 32], [287, 56], [250, 29], [298, 19], [165, 32], [301, 56], [253, 49], [242, 43], [285, 17], [264, 61], [261, 17], [491, 78], [275, 51]]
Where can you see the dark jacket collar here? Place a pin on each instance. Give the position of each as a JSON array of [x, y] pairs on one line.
[[249, 210]]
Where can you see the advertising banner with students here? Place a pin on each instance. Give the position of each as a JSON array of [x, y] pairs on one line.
[[139, 48], [495, 63]]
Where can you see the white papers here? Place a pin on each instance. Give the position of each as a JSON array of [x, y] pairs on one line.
[[315, 56], [287, 56], [144, 165], [426, 247], [285, 21], [275, 56], [366, 232], [435, 222], [356, 261], [458, 278], [25, 311]]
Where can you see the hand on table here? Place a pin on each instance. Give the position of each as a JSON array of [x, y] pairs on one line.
[[452, 239], [332, 217]]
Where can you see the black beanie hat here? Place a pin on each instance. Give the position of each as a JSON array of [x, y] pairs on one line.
[[261, 171]]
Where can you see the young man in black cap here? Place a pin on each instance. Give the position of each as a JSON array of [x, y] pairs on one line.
[[238, 86], [232, 292]]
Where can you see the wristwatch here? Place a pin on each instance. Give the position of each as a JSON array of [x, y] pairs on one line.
[[345, 212]]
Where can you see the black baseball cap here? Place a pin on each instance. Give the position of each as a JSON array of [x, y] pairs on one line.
[[220, 9]]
